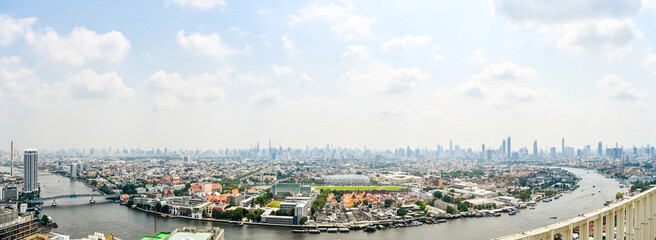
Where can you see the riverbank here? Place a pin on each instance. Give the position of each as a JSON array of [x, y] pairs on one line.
[[79, 218]]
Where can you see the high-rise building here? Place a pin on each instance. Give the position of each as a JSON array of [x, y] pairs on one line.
[[600, 150], [73, 170], [535, 148], [563, 147], [11, 173], [30, 170], [503, 147], [509, 149]]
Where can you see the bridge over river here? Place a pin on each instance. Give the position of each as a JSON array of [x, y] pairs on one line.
[[76, 196]]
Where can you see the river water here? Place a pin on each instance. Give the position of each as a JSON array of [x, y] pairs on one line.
[[78, 218]]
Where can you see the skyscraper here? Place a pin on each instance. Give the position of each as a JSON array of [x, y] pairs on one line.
[[535, 148], [30, 170], [600, 150], [483, 151], [563, 147], [503, 147], [73, 170], [11, 173], [509, 149]]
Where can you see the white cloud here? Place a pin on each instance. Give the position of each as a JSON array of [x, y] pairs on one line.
[[288, 46], [241, 32], [478, 57], [610, 37], [507, 71], [650, 63], [614, 87], [516, 94], [80, 46], [343, 21], [355, 55], [12, 29], [473, 89], [16, 80], [559, 11], [201, 4], [281, 71], [306, 78], [586, 26], [382, 78], [408, 42], [438, 57], [390, 110], [92, 85], [204, 44], [171, 91], [252, 78], [266, 97]]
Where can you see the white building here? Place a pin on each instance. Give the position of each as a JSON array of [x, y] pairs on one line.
[[73, 170], [346, 179]]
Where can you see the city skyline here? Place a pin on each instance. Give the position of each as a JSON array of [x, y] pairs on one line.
[[377, 74]]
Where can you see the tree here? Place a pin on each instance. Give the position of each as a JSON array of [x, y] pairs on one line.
[[619, 195], [450, 210], [388, 203], [164, 209], [421, 205], [401, 212], [303, 220], [158, 206], [462, 207], [45, 219], [437, 194], [447, 198]]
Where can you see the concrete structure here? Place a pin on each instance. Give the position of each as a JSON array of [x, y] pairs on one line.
[[73, 170], [30, 170], [291, 188], [630, 219], [10, 192], [346, 179], [15, 226]]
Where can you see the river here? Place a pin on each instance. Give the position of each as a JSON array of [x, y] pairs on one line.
[[78, 218]]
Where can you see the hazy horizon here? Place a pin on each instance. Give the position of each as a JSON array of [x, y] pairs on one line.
[[215, 74]]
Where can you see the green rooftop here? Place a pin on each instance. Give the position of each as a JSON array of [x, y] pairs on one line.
[[159, 236]]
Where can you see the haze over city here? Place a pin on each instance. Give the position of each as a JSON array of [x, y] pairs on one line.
[[217, 74]]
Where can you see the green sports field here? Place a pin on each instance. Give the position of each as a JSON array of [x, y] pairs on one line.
[[386, 188]]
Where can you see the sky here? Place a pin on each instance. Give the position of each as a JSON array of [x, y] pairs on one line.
[[214, 74]]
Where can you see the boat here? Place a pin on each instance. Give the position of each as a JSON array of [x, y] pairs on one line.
[[415, 223], [92, 200], [380, 227], [441, 221], [553, 217], [54, 204], [344, 230], [323, 229], [512, 212], [497, 214], [313, 231], [332, 230], [532, 208], [299, 231], [370, 229], [607, 203]]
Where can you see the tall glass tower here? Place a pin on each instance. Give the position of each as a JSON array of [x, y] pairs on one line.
[[30, 170]]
